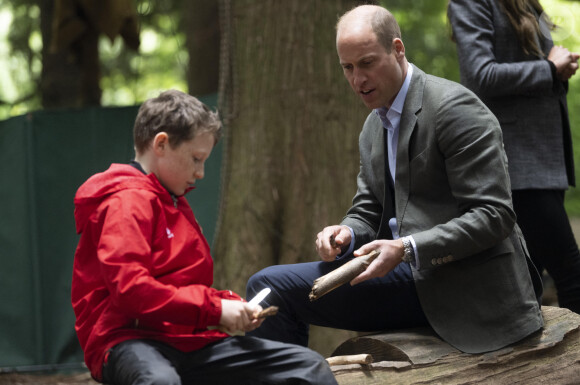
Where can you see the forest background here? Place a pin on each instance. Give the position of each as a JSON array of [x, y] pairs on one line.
[[292, 123], [181, 39]]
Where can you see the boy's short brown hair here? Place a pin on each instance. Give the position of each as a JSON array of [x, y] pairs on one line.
[[180, 115]]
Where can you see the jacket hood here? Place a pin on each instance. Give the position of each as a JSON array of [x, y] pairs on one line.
[[117, 178]]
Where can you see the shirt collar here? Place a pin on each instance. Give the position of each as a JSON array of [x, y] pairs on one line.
[[399, 102]]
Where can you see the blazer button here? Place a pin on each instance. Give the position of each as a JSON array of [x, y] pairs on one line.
[[439, 261], [434, 261]]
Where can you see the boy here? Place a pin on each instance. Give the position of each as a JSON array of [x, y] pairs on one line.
[[141, 289]]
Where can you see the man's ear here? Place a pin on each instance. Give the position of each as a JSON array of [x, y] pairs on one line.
[[160, 143], [398, 47]]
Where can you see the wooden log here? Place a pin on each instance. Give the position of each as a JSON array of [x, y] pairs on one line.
[[346, 273], [550, 356]]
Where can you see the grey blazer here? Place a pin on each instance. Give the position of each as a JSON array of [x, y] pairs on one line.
[[519, 89], [452, 194]]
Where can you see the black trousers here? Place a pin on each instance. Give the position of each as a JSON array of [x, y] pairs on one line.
[[235, 360], [550, 240]]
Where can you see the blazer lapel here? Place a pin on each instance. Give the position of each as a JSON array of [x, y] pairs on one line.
[[412, 106]]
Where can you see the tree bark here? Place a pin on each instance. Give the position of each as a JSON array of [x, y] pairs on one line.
[[61, 77], [203, 45], [71, 70], [291, 141], [550, 356]]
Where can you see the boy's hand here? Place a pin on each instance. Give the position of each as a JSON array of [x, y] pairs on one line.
[[238, 316]]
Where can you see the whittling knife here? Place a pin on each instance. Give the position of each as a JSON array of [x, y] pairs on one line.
[[260, 297]]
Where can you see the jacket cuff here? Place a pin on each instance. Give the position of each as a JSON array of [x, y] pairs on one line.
[[214, 311]]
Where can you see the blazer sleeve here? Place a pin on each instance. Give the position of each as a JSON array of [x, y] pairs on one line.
[[463, 207], [481, 47]]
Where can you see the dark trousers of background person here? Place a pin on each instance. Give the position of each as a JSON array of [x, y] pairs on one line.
[[235, 360], [388, 302], [550, 240]]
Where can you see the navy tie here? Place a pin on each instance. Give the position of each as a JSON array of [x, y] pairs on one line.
[[389, 200]]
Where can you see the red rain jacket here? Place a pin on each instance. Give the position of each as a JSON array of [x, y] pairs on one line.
[[142, 268]]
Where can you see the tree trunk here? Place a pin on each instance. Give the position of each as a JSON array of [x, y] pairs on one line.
[[203, 44], [70, 75], [291, 144], [60, 82]]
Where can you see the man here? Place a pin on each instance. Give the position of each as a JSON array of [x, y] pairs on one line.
[[433, 198]]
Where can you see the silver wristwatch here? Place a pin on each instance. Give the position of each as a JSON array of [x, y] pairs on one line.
[[409, 252]]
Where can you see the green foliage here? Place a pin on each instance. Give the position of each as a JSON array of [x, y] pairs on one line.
[[427, 35], [566, 14], [19, 56], [130, 77], [127, 77]]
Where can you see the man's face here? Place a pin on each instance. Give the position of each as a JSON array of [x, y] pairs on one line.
[[373, 73]]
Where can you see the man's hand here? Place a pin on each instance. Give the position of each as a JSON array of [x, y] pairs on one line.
[[566, 62], [391, 254], [331, 240], [237, 316]]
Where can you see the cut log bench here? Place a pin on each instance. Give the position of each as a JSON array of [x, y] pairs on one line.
[[419, 356]]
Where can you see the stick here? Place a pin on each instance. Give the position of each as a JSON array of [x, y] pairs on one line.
[[342, 275], [267, 312], [363, 359], [332, 241]]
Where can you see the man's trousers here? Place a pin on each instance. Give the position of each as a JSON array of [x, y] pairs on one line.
[[384, 303]]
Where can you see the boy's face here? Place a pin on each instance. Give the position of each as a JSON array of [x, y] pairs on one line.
[[178, 168]]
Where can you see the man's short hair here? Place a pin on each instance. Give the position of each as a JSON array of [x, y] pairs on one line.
[[382, 22], [386, 28], [180, 115]]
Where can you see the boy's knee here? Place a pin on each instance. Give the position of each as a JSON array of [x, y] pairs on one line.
[[155, 375], [165, 375], [313, 367], [311, 356], [139, 362]]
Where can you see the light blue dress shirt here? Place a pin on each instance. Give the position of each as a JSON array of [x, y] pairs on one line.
[[391, 118]]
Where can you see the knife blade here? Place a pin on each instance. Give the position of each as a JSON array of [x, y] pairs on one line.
[[260, 297]]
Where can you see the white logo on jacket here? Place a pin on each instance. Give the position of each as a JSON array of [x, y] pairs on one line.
[[169, 233]]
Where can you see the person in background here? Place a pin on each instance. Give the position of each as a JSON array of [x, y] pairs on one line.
[[433, 199], [507, 57], [141, 289]]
